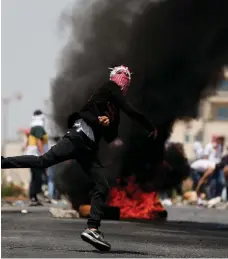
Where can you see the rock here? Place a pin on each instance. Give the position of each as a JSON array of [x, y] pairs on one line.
[[63, 204], [61, 213], [13, 199], [19, 203], [190, 198], [178, 199], [179, 204], [221, 206], [213, 202], [166, 202], [5, 203], [185, 202]]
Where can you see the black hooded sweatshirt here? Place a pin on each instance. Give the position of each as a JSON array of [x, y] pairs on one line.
[[108, 101]]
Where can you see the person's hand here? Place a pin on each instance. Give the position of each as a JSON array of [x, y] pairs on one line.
[[104, 121], [153, 134]]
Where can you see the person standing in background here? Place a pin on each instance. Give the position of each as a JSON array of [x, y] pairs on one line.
[[220, 147], [198, 149], [50, 176], [37, 145], [213, 150]]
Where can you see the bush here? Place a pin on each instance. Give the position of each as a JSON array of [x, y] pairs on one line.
[[11, 190]]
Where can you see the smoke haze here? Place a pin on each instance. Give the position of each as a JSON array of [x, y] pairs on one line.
[[176, 50]]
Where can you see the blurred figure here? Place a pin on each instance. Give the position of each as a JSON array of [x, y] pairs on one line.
[[201, 167], [53, 193], [214, 150], [166, 196], [209, 177], [223, 167], [25, 133], [198, 149], [37, 145], [51, 187], [220, 147], [225, 161]]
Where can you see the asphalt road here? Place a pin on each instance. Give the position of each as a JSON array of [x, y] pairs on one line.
[[37, 235]]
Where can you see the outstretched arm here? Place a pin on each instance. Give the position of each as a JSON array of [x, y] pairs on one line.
[[132, 112], [204, 178]]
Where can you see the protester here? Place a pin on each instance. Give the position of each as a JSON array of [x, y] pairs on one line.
[[37, 145], [99, 118], [198, 149], [214, 150]]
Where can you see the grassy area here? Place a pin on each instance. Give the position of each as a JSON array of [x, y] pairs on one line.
[[11, 190]]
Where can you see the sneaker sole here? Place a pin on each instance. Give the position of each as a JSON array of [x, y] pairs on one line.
[[95, 243]]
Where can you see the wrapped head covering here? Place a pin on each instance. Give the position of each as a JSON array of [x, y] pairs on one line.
[[121, 75]]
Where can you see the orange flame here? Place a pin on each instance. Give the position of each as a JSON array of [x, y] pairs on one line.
[[134, 203]]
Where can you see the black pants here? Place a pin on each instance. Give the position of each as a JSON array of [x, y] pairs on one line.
[[35, 182], [74, 145]]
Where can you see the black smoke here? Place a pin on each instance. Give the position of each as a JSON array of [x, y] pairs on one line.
[[99, 36], [176, 50], [179, 50]]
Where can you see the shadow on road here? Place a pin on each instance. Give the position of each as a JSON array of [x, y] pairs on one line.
[[120, 252], [183, 224]]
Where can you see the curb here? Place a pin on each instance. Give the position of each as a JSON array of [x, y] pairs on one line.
[[29, 209]]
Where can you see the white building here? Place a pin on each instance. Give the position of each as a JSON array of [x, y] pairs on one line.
[[213, 120]]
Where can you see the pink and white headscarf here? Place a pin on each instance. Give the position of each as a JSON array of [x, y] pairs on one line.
[[121, 75]]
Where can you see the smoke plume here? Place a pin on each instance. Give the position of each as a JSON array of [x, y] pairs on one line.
[[175, 48], [99, 33]]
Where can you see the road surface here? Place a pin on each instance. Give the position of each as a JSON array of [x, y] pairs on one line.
[[37, 235]]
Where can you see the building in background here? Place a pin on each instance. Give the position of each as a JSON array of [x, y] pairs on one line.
[[213, 120]]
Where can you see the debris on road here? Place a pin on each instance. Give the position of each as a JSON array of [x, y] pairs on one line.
[[63, 213]]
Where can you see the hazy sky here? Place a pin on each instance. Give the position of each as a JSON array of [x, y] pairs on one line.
[[31, 44]]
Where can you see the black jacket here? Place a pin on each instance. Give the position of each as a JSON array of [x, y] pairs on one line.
[[108, 101]]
